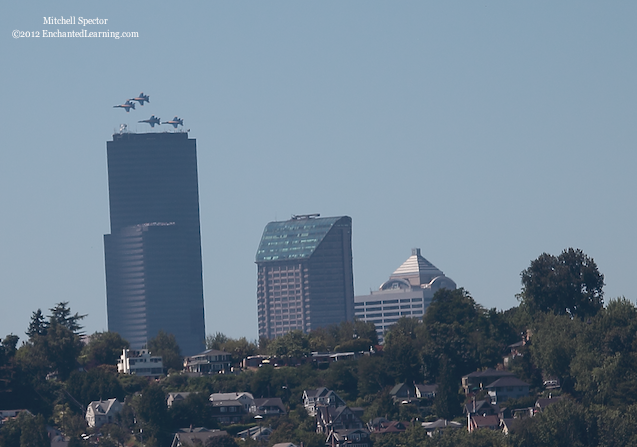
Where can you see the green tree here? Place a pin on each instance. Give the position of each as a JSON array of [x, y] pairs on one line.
[[152, 414], [96, 384], [37, 325], [26, 430], [61, 314], [165, 345], [564, 424], [103, 348], [554, 346], [568, 284], [447, 401], [293, 345], [401, 351]]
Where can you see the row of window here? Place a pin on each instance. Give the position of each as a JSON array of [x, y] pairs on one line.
[[388, 314], [376, 303]]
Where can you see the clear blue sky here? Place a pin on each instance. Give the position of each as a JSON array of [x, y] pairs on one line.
[[484, 133]]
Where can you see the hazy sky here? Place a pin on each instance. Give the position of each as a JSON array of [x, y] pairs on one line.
[[484, 133]]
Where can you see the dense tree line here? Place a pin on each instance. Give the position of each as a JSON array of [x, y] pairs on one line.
[[571, 336]]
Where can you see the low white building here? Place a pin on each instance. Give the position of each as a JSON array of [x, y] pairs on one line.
[[100, 412], [141, 363]]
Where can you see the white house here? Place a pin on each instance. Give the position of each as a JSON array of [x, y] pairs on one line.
[[100, 412], [141, 363]]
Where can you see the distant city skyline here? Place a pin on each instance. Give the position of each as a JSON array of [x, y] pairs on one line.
[[483, 133]]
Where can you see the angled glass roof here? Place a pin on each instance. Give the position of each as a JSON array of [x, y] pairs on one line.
[[293, 239]]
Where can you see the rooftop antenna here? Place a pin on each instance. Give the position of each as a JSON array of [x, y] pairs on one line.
[[123, 128]]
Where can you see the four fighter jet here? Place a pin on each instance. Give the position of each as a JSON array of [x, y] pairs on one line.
[[153, 119]]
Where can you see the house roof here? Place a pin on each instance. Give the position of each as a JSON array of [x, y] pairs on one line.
[[393, 427], [427, 388], [202, 436], [485, 421], [229, 396], [508, 381], [210, 352], [319, 392], [196, 430], [441, 423], [397, 389], [227, 403], [255, 432], [269, 402], [489, 372], [481, 405], [346, 433], [103, 406], [544, 402]]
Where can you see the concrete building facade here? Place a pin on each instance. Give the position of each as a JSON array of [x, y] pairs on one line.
[[153, 254], [305, 278], [407, 293]]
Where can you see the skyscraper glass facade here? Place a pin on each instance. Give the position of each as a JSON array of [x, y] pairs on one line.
[[153, 254]]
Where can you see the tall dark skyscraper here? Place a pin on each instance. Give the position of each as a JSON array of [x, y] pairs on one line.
[[305, 278], [153, 254]]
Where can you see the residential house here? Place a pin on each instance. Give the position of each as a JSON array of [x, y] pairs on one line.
[[188, 437], [357, 437], [227, 411], [514, 351], [403, 393], [438, 426], [258, 433], [140, 362], [544, 402], [246, 399], [482, 407], [389, 427], [176, 397], [320, 397], [426, 391], [336, 418], [475, 422], [254, 362], [102, 412], [506, 424], [272, 406], [479, 380], [210, 361], [507, 388]]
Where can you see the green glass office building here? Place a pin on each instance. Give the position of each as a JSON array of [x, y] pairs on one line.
[[305, 278]]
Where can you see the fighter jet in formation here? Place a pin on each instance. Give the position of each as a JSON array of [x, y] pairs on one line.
[[175, 121], [141, 98], [127, 106], [152, 121]]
